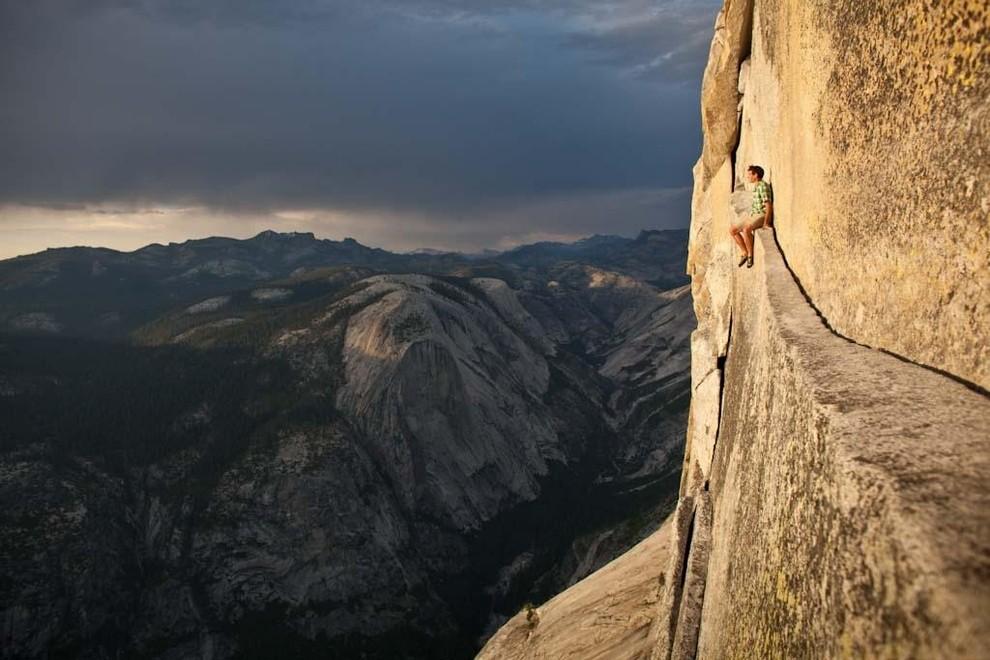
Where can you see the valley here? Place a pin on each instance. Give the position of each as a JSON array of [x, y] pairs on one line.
[[328, 447]]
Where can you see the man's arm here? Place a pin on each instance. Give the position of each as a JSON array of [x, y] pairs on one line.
[[769, 214]]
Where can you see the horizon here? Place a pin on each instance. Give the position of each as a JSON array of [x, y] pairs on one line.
[[481, 251], [435, 123]]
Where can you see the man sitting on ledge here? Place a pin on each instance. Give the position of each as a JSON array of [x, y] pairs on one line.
[[760, 215]]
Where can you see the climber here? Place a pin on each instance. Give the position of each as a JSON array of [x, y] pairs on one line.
[[760, 215]]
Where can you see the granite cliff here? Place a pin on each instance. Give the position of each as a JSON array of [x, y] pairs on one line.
[[834, 498]]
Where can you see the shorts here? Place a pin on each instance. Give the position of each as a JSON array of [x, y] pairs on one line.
[[749, 220]]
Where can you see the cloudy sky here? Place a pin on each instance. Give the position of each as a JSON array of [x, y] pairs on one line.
[[458, 124]]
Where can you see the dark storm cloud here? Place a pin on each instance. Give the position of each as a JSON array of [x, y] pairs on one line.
[[669, 45], [446, 109]]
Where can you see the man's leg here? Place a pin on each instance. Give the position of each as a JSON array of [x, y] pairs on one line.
[[755, 222], [734, 232]]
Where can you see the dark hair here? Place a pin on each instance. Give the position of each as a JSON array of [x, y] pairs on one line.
[[757, 170]]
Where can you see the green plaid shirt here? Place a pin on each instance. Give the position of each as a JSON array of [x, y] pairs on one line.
[[761, 195]]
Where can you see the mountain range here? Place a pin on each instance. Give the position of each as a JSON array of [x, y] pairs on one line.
[[286, 445]]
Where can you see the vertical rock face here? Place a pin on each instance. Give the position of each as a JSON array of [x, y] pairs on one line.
[[848, 487], [871, 120]]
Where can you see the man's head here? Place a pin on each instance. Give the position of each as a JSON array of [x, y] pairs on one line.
[[754, 173]]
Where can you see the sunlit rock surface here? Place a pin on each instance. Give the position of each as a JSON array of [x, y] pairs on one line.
[[848, 487], [872, 121], [606, 616]]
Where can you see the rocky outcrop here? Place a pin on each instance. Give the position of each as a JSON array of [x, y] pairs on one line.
[[848, 486], [872, 120], [849, 491], [834, 499]]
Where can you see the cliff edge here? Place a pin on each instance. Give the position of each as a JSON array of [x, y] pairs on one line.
[[834, 499]]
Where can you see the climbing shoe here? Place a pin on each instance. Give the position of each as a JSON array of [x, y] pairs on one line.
[[749, 261], [743, 260]]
